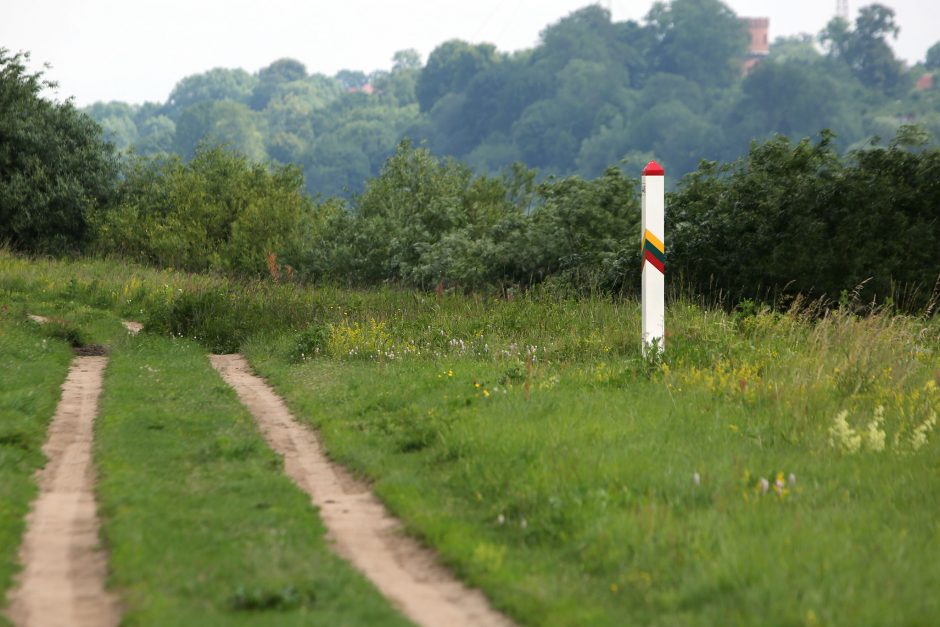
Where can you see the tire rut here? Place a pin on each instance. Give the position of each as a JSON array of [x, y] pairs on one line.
[[361, 529], [64, 570]]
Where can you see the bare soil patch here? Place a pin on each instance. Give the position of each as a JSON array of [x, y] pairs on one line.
[[64, 571], [360, 527]]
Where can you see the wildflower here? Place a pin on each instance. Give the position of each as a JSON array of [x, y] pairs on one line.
[[486, 392], [523, 524], [780, 486], [919, 437], [696, 479], [875, 435], [450, 373], [764, 485], [500, 519], [843, 436], [791, 480]]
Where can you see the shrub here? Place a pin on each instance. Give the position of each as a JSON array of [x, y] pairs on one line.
[[218, 212], [54, 165]]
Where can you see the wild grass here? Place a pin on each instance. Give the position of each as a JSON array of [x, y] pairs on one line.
[[775, 467], [34, 368], [707, 489], [202, 525]]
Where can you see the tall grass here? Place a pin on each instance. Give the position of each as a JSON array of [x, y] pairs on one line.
[[531, 443]]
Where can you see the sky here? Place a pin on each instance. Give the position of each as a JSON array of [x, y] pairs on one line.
[[136, 50]]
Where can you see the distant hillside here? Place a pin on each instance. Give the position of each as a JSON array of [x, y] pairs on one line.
[[592, 93]]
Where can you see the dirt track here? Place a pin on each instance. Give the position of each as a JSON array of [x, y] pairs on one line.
[[62, 582], [362, 530]]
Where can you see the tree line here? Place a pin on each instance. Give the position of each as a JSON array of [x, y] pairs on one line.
[[592, 93], [789, 217]]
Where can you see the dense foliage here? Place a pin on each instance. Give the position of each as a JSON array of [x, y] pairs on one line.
[[54, 165], [796, 216], [790, 216], [425, 220], [787, 218], [591, 94], [219, 211]]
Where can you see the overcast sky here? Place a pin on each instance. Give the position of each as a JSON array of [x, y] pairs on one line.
[[136, 50]]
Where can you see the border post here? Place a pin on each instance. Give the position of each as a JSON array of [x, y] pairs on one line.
[[654, 256]]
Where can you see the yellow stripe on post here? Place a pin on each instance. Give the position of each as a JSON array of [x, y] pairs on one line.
[[655, 241]]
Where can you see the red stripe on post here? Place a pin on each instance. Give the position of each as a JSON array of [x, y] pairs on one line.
[[650, 257], [654, 169]]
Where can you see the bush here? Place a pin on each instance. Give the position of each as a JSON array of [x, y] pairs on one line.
[[797, 218], [54, 165], [217, 212]]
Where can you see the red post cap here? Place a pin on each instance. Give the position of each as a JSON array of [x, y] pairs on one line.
[[654, 169]]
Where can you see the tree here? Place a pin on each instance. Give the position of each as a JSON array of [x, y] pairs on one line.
[[352, 79], [54, 165], [797, 47], [220, 122], [702, 40], [933, 57], [216, 84], [865, 48], [450, 68], [219, 211], [797, 99], [156, 135], [409, 59], [117, 122], [271, 77]]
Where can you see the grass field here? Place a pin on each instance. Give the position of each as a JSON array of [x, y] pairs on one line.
[[33, 369], [202, 525], [773, 468], [35, 363]]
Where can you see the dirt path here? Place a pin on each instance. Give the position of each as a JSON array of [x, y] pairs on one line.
[[62, 582], [362, 530]]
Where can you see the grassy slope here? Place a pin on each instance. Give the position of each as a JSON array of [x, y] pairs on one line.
[[202, 525]]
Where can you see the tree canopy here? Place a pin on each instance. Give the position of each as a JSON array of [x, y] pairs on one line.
[[593, 92], [55, 167]]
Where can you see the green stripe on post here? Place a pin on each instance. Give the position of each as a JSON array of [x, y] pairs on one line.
[[648, 246]]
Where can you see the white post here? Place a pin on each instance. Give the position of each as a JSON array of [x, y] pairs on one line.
[[654, 256]]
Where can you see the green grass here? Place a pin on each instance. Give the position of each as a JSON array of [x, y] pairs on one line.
[[202, 525], [566, 489], [34, 368], [579, 505]]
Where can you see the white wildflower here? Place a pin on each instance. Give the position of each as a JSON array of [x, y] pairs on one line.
[[843, 436], [875, 434], [922, 431]]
